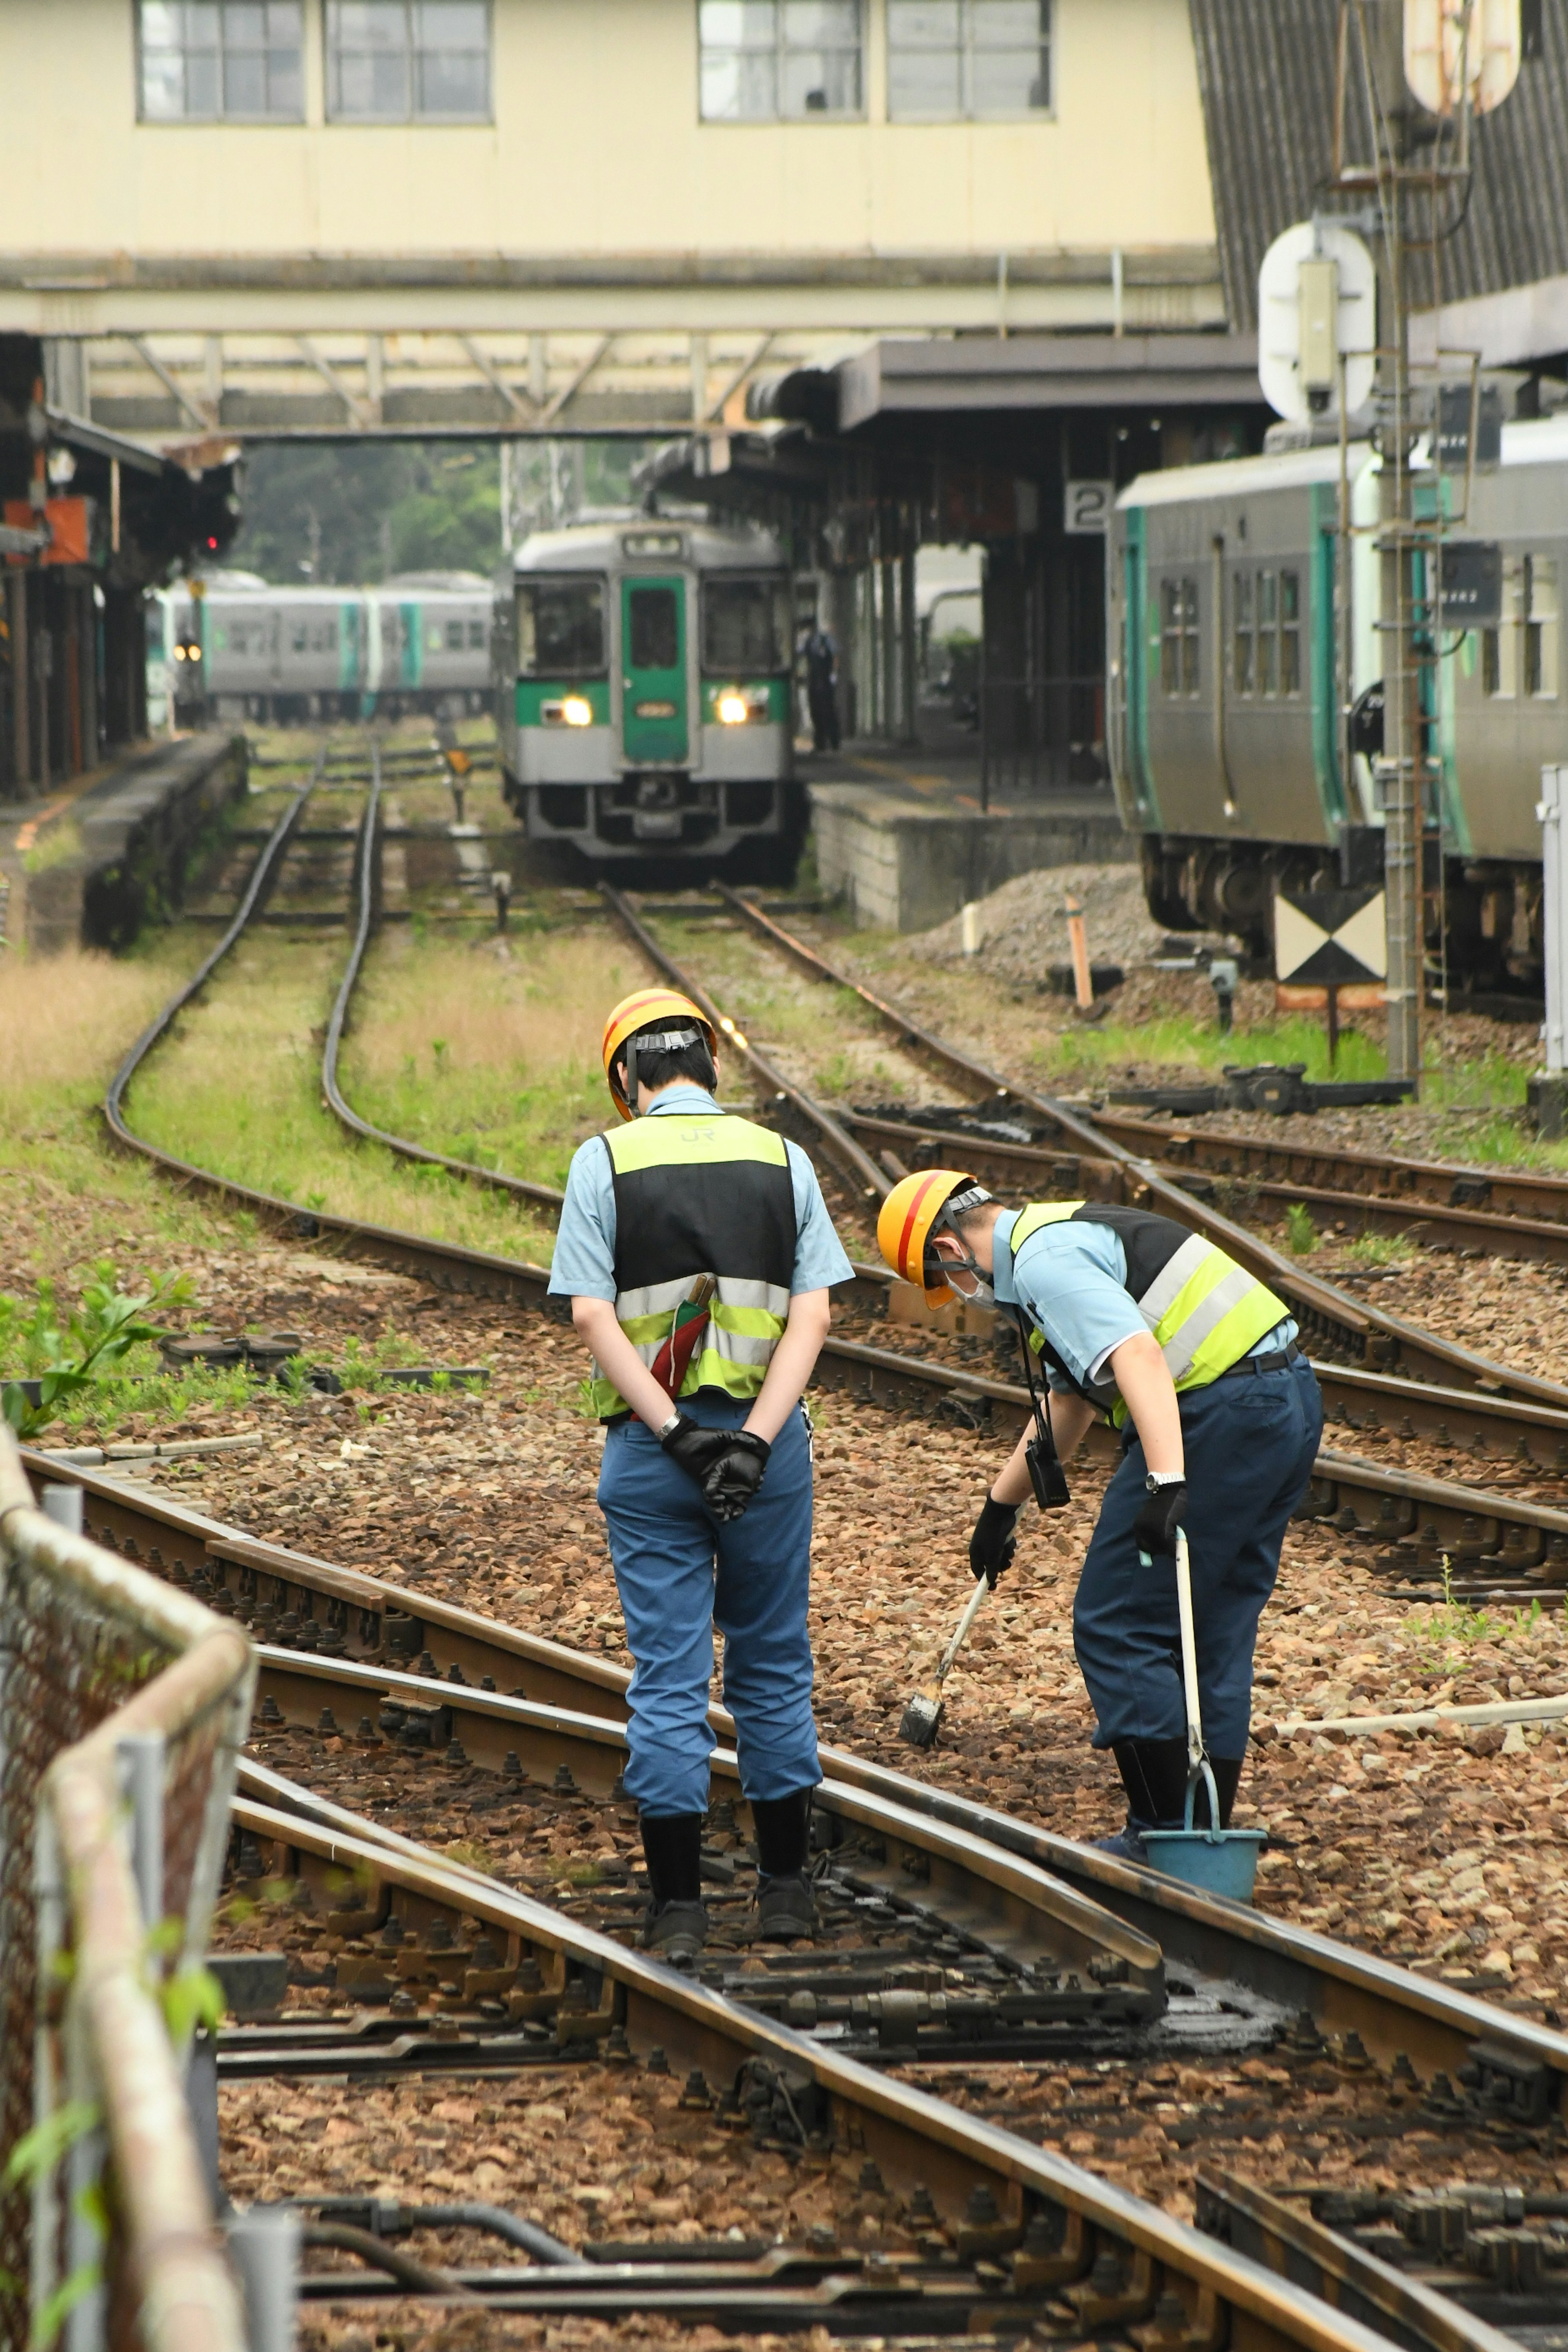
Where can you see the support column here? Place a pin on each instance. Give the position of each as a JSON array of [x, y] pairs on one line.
[[890, 711], [21, 682], [909, 650]]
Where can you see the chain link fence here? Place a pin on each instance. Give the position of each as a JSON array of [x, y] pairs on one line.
[[123, 1706]]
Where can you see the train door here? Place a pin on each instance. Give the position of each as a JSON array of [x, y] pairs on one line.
[[653, 674]]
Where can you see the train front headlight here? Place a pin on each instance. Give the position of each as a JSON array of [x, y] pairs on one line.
[[734, 711], [576, 711]]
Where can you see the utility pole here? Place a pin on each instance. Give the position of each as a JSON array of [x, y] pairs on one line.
[[1402, 767]]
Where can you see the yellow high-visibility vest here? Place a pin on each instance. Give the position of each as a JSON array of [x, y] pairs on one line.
[[1205, 1311], [702, 1192]]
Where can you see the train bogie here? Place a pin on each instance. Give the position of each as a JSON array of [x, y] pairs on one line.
[[643, 681]]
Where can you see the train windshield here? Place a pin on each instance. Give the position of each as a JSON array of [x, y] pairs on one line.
[[560, 628], [746, 625]]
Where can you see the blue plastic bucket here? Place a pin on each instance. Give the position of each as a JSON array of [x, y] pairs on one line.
[[1220, 1861]]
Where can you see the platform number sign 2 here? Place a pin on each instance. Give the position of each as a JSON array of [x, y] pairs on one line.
[[1088, 509]]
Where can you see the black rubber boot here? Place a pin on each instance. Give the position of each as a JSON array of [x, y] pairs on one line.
[[785, 1908], [783, 1829], [1154, 1775], [677, 1924]]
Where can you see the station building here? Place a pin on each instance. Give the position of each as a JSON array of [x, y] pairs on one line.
[[887, 272]]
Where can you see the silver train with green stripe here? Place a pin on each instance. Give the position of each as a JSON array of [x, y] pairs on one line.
[[644, 705], [1243, 629]]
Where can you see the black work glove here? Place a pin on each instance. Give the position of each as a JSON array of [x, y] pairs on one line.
[[1154, 1528], [695, 1448], [994, 1540], [732, 1481]]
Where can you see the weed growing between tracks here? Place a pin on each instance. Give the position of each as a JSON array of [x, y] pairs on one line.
[[238, 1088], [485, 1048]]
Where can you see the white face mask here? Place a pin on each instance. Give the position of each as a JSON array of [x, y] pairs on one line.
[[984, 1293]]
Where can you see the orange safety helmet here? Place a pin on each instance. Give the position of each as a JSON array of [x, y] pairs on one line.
[[909, 1217], [640, 1011]]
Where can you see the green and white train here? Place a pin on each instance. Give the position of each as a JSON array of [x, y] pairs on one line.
[[644, 703], [1241, 639]]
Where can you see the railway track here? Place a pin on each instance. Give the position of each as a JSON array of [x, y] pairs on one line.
[[1486, 1539], [973, 1925], [948, 1929]]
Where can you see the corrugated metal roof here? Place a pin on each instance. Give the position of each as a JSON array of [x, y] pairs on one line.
[[1267, 74]]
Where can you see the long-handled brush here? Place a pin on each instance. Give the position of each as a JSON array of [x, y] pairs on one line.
[[924, 1713]]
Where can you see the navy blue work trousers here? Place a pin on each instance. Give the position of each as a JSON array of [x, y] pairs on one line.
[[680, 1573], [1250, 1442]]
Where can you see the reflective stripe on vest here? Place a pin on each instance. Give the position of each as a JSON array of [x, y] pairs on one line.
[[747, 1314], [1205, 1311]]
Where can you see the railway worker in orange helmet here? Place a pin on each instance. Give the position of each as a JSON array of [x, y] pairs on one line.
[[698, 1254], [1195, 1362]]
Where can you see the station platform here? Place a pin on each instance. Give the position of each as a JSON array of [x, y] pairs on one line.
[[86, 866], [904, 841]]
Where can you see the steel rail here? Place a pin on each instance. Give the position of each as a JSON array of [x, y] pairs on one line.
[[1508, 1192], [544, 1195], [1362, 1399], [870, 1179], [262, 876], [1341, 1987], [1382, 1341], [982, 1890], [913, 2136], [1531, 1238]]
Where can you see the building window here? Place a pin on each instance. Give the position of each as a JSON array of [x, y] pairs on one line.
[[1266, 611], [408, 60], [1179, 670], [978, 59], [220, 60], [779, 61]]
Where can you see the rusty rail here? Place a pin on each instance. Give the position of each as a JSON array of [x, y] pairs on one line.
[[104, 1662]]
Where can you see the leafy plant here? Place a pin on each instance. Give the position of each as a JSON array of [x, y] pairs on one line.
[[1381, 1249], [35, 2155], [108, 1323], [1300, 1232]]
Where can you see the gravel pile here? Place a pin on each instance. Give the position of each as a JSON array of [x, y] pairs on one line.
[[1024, 930]]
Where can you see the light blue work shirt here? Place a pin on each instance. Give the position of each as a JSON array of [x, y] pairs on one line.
[[583, 1265], [1072, 1280]]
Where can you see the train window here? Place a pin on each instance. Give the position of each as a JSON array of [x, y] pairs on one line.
[[1241, 592], [655, 629], [1541, 625], [746, 626], [1289, 633], [560, 628], [301, 637], [454, 637], [476, 635], [1179, 666], [1500, 646], [1268, 645]]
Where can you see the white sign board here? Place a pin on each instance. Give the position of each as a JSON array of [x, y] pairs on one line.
[[1087, 514], [1456, 49], [1280, 355]]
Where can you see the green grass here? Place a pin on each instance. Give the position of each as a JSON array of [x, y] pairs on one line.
[[1380, 1249], [58, 844], [269, 1128], [1202, 1043]]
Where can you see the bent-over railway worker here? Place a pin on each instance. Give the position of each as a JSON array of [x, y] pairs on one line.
[[697, 1252], [1195, 1361]]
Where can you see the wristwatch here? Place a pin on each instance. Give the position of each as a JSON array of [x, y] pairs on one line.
[[663, 1431], [1158, 1478]]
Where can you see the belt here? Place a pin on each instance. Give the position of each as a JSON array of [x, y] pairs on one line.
[[1275, 1361]]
